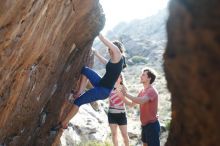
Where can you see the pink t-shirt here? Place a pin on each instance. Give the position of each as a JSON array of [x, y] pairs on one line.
[[148, 110], [115, 101]]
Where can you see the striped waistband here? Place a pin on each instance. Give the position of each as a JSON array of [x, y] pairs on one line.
[[114, 110]]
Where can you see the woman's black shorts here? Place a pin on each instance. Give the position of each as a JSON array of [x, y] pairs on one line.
[[117, 118]]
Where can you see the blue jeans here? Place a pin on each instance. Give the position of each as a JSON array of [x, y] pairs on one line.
[[150, 134], [94, 94]]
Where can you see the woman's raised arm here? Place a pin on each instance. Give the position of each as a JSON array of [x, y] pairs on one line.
[[116, 54], [100, 57]]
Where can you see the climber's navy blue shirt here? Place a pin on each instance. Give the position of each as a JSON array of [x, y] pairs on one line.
[[113, 70]]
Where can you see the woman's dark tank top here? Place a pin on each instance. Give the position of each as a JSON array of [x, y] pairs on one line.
[[113, 70]]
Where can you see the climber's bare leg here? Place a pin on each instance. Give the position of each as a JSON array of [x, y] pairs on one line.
[[74, 109], [82, 85]]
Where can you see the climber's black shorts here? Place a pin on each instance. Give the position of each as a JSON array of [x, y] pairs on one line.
[[117, 118]]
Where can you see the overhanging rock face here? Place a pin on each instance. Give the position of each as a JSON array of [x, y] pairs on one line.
[[43, 45], [192, 66]]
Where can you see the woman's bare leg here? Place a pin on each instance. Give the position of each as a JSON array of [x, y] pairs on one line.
[[124, 133], [70, 115], [82, 85], [74, 109], [114, 132]]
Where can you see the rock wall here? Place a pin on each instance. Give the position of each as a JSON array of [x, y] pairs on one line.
[[192, 66], [43, 45]]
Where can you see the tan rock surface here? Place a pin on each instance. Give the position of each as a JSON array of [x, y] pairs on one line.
[[192, 66], [43, 45]]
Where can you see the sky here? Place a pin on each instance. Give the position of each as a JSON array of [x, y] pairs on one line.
[[126, 10]]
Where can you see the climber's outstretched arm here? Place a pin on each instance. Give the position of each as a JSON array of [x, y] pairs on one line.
[[100, 57]]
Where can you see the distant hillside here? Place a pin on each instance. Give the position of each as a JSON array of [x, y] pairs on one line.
[[150, 28]]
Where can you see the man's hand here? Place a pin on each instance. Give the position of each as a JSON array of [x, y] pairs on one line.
[[119, 93]]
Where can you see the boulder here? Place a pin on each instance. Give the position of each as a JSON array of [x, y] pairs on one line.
[[43, 46], [192, 62]]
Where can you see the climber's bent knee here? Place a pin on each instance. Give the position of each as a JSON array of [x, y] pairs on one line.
[[94, 94]]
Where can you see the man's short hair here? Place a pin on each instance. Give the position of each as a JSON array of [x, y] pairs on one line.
[[151, 74]]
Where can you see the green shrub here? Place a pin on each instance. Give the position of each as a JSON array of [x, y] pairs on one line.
[[139, 59], [168, 125], [95, 143]]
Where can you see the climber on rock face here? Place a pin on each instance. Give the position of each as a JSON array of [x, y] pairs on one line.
[[102, 86]]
